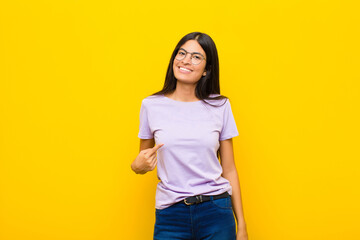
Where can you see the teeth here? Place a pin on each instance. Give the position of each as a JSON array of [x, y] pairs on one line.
[[185, 69]]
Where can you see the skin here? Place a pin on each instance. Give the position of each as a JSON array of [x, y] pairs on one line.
[[230, 173], [185, 92], [186, 82]]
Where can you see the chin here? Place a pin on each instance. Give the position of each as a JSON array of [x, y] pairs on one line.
[[186, 81]]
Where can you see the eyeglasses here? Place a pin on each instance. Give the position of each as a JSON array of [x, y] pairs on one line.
[[196, 58]]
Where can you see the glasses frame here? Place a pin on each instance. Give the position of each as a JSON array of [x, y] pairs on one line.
[[191, 58]]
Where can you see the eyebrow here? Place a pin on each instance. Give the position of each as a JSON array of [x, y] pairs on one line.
[[191, 52]]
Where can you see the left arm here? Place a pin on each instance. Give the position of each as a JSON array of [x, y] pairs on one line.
[[230, 173]]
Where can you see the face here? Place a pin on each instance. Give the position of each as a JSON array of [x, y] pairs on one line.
[[184, 70]]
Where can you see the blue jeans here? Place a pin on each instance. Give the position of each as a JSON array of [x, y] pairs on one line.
[[213, 220]]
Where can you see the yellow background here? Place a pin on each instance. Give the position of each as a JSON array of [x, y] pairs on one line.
[[72, 77]]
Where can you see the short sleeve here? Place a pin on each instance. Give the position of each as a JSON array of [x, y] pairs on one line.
[[144, 128], [229, 129]]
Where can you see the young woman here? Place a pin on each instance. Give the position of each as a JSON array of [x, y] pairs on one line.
[[192, 126]]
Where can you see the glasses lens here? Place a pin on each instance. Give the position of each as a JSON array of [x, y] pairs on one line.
[[180, 55], [196, 59]]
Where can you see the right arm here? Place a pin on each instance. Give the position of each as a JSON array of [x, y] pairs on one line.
[[146, 159], [146, 143]]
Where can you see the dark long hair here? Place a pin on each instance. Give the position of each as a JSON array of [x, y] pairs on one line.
[[208, 84]]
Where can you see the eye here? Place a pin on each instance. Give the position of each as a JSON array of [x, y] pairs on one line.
[[198, 57], [181, 53]]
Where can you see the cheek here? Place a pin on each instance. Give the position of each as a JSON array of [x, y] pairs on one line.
[[174, 65], [201, 69]]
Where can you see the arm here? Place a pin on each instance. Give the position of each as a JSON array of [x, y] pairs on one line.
[[146, 143], [230, 173], [146, 159]]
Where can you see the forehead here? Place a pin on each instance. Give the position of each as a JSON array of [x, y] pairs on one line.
[[193, 46]]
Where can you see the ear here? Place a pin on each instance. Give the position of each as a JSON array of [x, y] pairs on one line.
[[204, 73]]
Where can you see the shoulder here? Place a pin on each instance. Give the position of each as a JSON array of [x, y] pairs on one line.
[[151, 99], [152, 102], [222, 102]]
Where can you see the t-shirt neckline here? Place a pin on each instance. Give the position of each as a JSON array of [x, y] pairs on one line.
[[181, 102]]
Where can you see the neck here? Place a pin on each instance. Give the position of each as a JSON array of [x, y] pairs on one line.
[[184, 93]]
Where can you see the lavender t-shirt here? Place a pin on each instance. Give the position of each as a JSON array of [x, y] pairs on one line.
[[187, 162]]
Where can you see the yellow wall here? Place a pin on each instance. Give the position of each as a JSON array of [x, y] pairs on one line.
[[72, 77]]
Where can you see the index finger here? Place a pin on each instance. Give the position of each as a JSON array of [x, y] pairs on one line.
[[154, 149], [158, 146]]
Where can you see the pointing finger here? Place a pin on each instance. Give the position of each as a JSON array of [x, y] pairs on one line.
[[158, 146], [154, 149]]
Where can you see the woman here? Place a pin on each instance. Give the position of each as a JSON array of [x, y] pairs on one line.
[[192, 126]]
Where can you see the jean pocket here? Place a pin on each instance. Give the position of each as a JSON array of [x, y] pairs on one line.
[[158, 211], [164, 210], [223, 203]]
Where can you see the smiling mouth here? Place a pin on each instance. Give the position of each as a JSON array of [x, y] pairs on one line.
[[185, 69]]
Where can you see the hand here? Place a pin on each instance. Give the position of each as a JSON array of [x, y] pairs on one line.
[[146, 160], [242, 234]]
